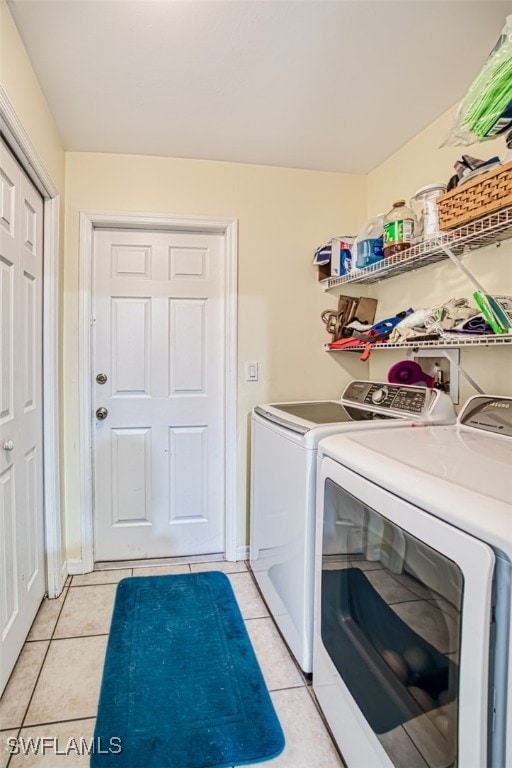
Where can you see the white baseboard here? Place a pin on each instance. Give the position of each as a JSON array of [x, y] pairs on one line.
[[63, 576], [242, 553], [54, 588], [75, 567]]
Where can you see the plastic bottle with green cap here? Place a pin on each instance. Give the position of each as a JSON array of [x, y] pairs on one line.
[[398, 229]]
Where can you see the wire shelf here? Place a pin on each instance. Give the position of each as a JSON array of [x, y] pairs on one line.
[[458, 341], [489, 230]]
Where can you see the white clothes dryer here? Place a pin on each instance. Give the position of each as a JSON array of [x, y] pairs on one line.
[[285, 438], [412, 647]]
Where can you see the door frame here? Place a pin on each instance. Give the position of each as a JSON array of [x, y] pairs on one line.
[[228, 228], [27, 156]]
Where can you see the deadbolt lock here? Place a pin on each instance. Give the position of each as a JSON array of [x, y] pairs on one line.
[[101, 414], [101, 378]]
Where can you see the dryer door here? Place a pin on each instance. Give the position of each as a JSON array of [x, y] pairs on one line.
[[402, 626]]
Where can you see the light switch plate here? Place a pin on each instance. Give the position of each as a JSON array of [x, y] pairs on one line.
[[251, 371]]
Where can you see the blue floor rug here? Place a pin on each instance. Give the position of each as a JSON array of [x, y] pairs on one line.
[[181, 684]]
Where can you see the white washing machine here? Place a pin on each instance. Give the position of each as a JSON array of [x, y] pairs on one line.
[[412, 647], [285, 438]]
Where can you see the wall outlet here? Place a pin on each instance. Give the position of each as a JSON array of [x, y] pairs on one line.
[[446, 361]]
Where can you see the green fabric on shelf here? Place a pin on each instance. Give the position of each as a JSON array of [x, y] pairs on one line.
[[493, 100]]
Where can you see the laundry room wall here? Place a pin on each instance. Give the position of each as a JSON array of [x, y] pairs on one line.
[[283, 214], [20, 84], [417, 163]]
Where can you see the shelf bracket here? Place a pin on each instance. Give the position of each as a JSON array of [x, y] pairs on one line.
[[479, 287], [458, 263]]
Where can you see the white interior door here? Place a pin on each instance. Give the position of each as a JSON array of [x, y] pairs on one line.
[[22, 576], [158, 338]]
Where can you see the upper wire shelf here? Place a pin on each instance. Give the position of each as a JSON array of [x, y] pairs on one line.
[[489, 230]]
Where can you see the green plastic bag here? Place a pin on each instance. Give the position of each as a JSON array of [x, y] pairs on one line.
[[486, 110]]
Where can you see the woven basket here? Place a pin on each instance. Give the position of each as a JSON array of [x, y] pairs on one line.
[[486, 194]]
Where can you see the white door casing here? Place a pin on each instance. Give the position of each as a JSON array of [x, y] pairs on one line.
[[22, 556], [158, 316], [28, 158]]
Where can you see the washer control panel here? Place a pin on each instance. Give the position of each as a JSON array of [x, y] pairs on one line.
[[410, 400]]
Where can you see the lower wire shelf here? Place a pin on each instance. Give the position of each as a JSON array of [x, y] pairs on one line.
[[471, 341]]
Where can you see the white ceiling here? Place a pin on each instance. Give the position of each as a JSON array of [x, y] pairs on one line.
[[334, 85]]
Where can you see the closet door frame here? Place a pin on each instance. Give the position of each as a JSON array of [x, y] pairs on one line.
[[27, 156]]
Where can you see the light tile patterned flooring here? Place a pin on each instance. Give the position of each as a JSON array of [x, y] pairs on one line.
[[53, 691]]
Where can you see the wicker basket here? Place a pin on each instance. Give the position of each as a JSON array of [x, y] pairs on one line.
[[486, 194]]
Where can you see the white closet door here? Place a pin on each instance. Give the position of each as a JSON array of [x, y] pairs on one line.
[[22, 577], [158, 338]]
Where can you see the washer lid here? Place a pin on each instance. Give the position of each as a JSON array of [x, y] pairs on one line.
[[322, 411], [301, 417]]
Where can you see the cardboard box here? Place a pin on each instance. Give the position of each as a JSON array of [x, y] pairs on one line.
[[324, 271], [332, 257], [341, 257]]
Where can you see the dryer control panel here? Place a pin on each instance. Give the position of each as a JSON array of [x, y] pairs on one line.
[[490, 414]]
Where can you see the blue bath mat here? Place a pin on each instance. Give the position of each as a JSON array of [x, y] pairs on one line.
[[181, 684]]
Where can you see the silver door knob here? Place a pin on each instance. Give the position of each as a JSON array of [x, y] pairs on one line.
[[8, 445], [101, 414], [101, 378]]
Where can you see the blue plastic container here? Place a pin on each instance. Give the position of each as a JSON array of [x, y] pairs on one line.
[[369, 251], [369, 245]]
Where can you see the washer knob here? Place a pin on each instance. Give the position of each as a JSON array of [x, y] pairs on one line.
[[379, 395]]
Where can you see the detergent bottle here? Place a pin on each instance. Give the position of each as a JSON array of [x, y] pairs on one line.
[[369, 243], [398, 229]]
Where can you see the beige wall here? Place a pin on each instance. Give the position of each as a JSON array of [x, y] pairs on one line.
[[283, 214], [418, 163], [21, 86]]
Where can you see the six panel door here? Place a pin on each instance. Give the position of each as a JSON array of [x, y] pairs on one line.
[[22, 576], [158, 340]]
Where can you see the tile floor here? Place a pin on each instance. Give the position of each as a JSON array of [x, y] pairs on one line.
[[54, 688]]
